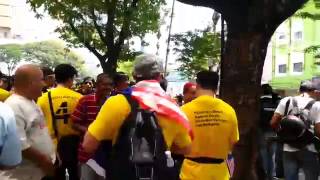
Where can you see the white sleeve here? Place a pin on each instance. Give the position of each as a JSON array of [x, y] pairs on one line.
[[316, 113], [282, 106]]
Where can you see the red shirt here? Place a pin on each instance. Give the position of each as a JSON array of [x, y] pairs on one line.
[[84, 114]]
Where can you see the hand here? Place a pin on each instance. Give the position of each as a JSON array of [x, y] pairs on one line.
[[47, 166]]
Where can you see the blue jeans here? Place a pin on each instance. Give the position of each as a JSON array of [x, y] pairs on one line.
[[267, 151], [307, 160]]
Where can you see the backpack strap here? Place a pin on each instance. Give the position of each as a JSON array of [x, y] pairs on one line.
[[287, 107], [309, 105], [54, 120], [294, 102]]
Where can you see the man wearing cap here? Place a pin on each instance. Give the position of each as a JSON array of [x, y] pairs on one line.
[[189, 92], [305, 158], [148, 93]]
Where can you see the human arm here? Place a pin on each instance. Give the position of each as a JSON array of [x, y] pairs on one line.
[[10, 155], [43, 161], [108, 122], [279, 112], [275, 121], [182, 143], [37, 157]]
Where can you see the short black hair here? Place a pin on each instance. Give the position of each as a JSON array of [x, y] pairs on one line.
[[267, 89], [64, 72], [208, 80], [46, 71], [101, 76], [120, 77]]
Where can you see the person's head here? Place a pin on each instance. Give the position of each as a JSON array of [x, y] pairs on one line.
[[147, 67], [207, 80], [87, 85], [267, 89], [103, 85], [189, 92], [65, 74], [28, 81], [315, 91], [4, 81], [48, 75], [121, 81], [306, 86]]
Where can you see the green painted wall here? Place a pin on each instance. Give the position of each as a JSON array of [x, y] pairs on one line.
[[284, 51]]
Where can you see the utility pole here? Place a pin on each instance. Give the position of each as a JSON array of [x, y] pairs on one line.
[[169, 38]]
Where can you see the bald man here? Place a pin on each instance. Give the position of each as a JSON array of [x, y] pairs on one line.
[[37, 146]]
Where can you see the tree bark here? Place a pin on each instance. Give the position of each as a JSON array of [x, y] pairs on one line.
[[240, 87], [109, 64]]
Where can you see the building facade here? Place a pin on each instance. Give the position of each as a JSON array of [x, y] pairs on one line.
[[286, 61], [5, 18]]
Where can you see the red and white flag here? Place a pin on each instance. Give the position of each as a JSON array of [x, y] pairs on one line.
[[152, 97]]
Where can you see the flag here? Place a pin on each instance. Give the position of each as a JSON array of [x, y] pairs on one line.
[[152, 97], [230, 164]]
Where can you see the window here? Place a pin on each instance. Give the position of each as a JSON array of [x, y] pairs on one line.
[[297, 67], [5, 34], [282, 36], [298, 35], [282, 68]]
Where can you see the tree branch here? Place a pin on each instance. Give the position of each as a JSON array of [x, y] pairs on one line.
[[124, 33], [98, 28], [215, 4], [85, 43], [110, 24]]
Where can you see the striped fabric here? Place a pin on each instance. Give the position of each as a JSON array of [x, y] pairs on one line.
[[152, 97], [84, 114]]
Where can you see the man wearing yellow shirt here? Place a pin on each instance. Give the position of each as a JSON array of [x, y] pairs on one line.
[[215, 127], [148, 94], [57, 105], [3, 93]]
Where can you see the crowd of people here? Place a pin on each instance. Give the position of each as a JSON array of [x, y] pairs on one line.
[[110, 128]]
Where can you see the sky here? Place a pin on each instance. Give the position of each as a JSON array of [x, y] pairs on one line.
[[186, 18]]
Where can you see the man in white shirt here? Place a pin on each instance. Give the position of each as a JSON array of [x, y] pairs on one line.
[[305, 158], [37, 146]]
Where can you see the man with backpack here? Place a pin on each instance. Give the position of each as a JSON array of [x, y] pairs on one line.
[[268, 104], [297, 122], [143, 126]]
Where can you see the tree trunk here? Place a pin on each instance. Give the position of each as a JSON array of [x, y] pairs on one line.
[[109, 66], [240, 87]]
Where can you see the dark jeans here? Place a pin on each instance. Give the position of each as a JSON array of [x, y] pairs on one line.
[[307, 160], [68, 152]]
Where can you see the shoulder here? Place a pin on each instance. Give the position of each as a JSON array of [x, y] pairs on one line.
[[5, 110], [286, 99], [43, 97], [316, 105], [118, 99], [15, 100]]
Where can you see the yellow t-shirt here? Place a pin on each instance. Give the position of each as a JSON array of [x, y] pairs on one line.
[[215, 128], [4, 95], [115, 111], [64, 101]]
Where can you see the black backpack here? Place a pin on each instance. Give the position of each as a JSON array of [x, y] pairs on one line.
[[295, 125], [139, 151]]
